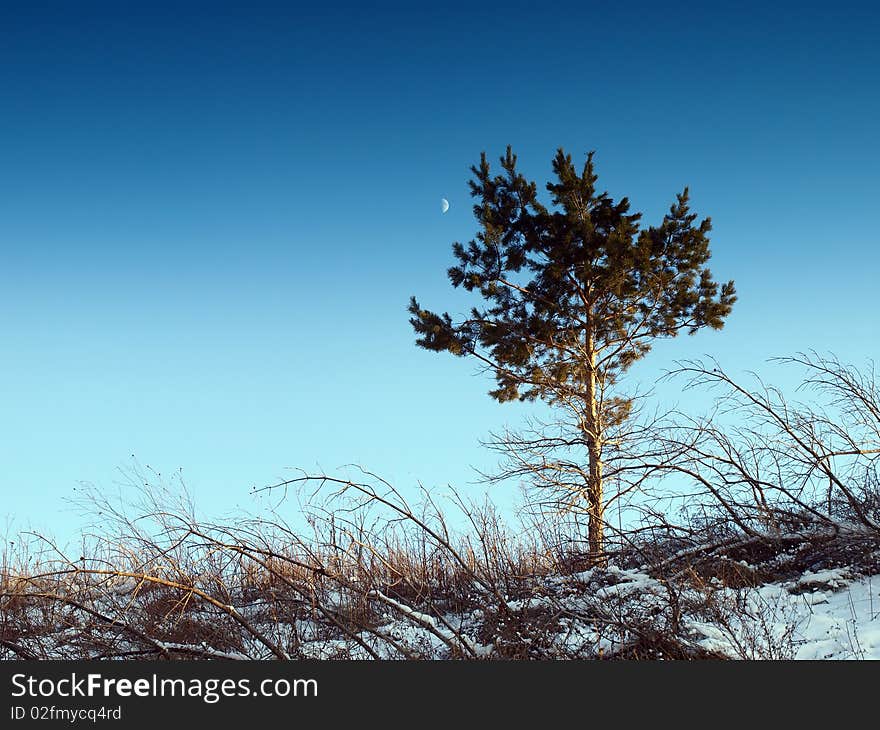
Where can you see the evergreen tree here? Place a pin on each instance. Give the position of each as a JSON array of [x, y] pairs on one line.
[[573, 294]]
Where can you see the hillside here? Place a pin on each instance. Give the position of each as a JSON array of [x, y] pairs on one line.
[[233, 592]]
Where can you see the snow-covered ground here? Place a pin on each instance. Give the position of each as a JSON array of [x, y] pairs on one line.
[[827, 614], [837, 617], [700, 607]]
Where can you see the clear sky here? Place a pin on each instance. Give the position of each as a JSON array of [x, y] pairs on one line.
[[212, 216]]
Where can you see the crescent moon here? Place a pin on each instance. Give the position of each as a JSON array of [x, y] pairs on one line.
[[444, 205]]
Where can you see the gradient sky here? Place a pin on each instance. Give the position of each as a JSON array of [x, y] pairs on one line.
[[212, 217]]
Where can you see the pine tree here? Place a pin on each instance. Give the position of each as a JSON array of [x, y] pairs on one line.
[[573, 294]]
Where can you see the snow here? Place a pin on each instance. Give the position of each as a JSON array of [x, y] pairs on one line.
[[203, 649], [845, 625], [820, 614], [828, 614], [834, 577], [440, 629]]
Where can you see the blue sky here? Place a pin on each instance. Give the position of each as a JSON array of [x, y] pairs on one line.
[[212, 217]]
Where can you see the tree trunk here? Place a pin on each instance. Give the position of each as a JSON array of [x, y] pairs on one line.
[[596, 505], [595, 496]]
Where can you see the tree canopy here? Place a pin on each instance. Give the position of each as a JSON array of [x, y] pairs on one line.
[[574, 292]]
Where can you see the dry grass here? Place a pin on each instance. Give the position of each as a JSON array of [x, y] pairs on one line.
[[401, 584]]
